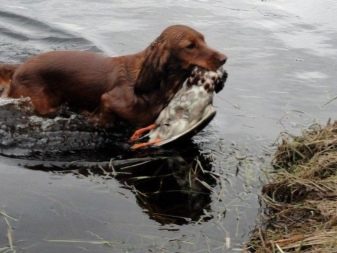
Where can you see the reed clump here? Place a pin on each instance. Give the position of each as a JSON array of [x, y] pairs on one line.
[[299, 203]]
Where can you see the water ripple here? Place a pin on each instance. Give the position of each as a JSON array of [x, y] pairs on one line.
[[32, 35]]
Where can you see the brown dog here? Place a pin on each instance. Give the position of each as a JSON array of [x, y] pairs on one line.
[[133, 87]]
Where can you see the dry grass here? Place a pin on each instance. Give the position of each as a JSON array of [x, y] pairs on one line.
[[10, 248], [300, 201], [300, 149]]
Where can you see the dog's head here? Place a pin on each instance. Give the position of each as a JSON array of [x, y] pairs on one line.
[[187, 48], [175, 53]]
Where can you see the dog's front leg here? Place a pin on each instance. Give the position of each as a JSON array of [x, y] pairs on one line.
[[113, 106], [100, 118], [103, 116]]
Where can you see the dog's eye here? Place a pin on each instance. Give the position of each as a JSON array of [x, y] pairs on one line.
[[191, 46]]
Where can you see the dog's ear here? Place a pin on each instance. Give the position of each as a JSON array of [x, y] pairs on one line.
[[163, 61], [153, 68]]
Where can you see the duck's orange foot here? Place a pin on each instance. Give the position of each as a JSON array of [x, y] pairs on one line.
[[145, 144], [140, 132]]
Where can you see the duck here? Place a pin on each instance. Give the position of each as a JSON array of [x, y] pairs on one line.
[[191, 104]]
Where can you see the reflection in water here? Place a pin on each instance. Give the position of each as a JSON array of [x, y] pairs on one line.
[[172, 188]]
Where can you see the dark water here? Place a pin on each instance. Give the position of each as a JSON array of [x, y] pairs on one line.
[[79, 190]]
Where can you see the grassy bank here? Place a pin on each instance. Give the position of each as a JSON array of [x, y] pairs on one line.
[[299, 204]]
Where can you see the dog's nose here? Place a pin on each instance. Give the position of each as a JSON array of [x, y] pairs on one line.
[[222, 58]]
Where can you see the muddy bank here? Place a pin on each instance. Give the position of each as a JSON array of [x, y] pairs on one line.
[[299, 203]]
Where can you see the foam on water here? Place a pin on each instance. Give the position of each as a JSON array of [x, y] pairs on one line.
[[23, 131]]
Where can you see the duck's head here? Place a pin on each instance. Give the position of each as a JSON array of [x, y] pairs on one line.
[[211, 80]]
